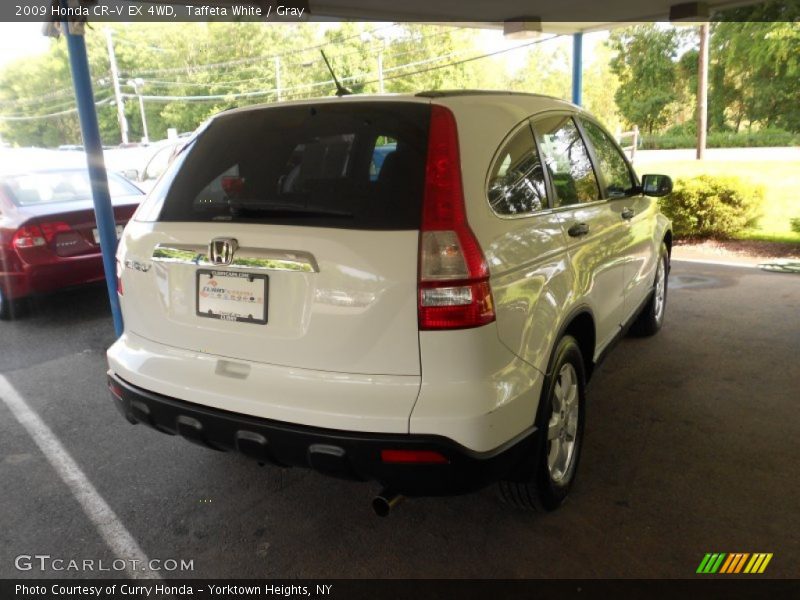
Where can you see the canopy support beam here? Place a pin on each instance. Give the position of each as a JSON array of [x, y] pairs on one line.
[[577, 68], [90, 131]]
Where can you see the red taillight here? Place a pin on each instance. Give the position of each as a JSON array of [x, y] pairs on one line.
[[51, 230], [28, 237], [419, 457], [115, 389], [33, 236], [454, 291]]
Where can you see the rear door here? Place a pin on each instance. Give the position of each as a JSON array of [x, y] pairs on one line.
[[288, 236], [594, 233]]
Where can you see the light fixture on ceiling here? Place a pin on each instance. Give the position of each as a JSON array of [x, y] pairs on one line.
[[691, 12], [522, 28]]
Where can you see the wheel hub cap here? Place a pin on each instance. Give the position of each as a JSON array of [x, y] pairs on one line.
[[661, 286], [562, 429]]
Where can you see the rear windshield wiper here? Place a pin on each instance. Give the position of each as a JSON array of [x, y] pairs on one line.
[[238, 207]]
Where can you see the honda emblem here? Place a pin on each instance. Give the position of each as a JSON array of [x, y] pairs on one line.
[[221, 250]]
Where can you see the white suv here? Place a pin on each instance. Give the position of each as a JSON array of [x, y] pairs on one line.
[[407, 289]]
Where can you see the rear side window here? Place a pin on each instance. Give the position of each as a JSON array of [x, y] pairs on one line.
[[349, 164], [567, 160], [516, 181], [618, 180]]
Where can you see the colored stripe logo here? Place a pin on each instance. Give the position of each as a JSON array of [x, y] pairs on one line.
[[736, 562]]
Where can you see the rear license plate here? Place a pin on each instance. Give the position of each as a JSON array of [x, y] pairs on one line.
[[232, 296], [96, 234]]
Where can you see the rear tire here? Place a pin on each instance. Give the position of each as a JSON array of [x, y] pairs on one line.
[[11, 309], [651, 318], [5, 307], [545, 477]]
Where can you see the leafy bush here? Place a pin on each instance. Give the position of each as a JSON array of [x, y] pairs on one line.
[[683, 137], [689, 128], [795, 224], [712, 206]]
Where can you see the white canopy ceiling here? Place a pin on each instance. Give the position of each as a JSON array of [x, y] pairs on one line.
[[556, 16]]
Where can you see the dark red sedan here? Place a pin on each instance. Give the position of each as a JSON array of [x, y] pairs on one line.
[[48, 234]]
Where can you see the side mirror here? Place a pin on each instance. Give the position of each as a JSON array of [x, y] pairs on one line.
[[131, 174], [656, 185]]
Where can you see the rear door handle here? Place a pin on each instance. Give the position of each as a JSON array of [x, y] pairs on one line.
[[627, 214], [578, 229]]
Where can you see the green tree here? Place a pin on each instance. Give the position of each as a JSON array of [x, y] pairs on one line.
[[200, 69], [644, 60], [756, 65], [425, 51], [218, 59], [600, 86], [546, 70], [38, 86]]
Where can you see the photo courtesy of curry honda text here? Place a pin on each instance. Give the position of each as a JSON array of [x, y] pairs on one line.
[[412, 289]]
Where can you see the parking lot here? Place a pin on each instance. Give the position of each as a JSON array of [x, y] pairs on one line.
[[691, 447]]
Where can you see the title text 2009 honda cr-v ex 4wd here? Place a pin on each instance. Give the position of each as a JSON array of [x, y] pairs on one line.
[[407, 289]]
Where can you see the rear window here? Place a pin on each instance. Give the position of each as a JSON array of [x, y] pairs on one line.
[[353, 165], [50, 187]]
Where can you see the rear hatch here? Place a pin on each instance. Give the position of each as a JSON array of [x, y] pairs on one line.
[[287, 235]]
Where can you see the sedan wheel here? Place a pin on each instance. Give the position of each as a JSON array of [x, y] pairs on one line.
[[5, 308]]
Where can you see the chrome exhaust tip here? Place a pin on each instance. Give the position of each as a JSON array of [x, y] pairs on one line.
[[384, 502]]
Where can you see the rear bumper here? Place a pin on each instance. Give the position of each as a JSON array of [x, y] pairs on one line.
[[343, 454], [49, 277], [325, 399]]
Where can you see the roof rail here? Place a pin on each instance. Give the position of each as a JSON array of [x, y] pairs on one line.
[[448, 93]]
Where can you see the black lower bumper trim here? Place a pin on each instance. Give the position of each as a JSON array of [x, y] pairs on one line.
[[344, 454]]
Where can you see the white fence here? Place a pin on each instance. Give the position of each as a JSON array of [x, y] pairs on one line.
[[633, 138]]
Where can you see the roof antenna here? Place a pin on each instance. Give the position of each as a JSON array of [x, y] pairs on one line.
[[340, 89]]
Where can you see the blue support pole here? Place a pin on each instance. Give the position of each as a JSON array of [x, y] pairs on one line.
[[577, 68], [90, 131]]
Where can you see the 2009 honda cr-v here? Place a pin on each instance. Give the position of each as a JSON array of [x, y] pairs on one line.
[[407, 289]]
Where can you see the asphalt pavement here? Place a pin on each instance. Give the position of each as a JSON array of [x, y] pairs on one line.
[[691, 447]]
